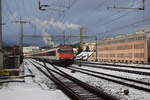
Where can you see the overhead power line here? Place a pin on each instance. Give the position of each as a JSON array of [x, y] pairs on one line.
[[17, 7], [24, 8], [129, 8], [21, 22], [126, 26], [7, 6], [108, 22]]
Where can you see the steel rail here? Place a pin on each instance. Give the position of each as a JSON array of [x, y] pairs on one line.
[[12, 77], [113, 80], [114, 76], [114, 65], [61, 85], [7, 81], [122, 70], [92, 89]]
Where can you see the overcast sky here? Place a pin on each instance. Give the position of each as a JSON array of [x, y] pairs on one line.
[[95, 15]]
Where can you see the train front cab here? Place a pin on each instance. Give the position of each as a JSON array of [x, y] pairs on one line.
[[66, 55]]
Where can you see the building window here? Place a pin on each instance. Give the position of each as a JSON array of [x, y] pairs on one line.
[[139, 55], [124, 47], [138, 46]]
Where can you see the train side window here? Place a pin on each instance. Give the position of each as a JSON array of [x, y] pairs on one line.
[[59, 50], [52, 53]]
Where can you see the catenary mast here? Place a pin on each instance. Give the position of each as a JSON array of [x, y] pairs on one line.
[[1, 51]]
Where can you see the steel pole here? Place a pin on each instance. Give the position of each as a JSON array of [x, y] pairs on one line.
[[96, 48], [21, 40], [0, 24], [1, 51]]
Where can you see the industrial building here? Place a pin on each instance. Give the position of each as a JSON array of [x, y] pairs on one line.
[[134, 48], [90, 45], [31, 49]]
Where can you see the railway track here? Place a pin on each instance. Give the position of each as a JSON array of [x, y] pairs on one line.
[[124, 66], [140, 85], [144, 86], [74, 88], [114, 68]]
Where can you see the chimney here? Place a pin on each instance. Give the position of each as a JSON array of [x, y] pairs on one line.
[[82, 31]]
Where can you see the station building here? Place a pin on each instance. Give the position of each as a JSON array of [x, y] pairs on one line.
[[90, 45], [134, 48], [31, 49]]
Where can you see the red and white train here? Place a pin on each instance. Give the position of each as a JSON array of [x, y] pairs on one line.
[[63, 55]]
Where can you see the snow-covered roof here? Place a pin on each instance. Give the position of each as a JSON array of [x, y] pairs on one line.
[[84, 55]]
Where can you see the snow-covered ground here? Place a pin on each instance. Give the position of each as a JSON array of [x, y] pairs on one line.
[[126, 68], [110, 87], [17, 91], [41, 88], [119, 73], [126, 64], [38, 88]]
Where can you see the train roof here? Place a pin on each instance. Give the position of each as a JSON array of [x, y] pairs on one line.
[[48, 50], [65, 47]]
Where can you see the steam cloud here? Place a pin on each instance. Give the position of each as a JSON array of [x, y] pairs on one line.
[[48, 40], [44, 24]]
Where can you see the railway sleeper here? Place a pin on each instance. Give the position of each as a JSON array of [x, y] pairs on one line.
[[88, 96], [80, 90]]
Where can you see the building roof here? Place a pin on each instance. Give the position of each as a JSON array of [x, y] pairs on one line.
[[84, 55], [141, 35]]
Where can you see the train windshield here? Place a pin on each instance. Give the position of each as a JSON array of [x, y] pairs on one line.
[[66, 51]]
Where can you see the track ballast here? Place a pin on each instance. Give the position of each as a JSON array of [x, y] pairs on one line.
[[74, 88]]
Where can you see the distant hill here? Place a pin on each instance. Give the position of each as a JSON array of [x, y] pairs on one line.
[[4, 44]]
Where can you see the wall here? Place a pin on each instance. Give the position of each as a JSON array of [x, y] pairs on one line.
[[1, 60], [124, 52], [148, 50]]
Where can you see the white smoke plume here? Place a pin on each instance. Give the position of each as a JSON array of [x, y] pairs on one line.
[[14, 16], [46, 24], [48, 40]]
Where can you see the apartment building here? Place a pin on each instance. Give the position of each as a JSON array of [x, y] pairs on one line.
[[134, 48]]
